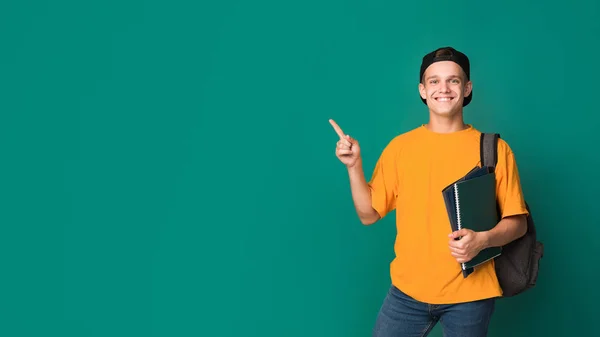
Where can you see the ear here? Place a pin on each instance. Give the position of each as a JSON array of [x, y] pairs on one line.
[[468, 88], [422, 91]]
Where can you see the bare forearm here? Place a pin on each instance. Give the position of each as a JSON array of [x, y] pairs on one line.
[[507, 230], [361, 195]]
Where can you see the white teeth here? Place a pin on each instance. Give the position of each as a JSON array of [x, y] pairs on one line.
[[444, 99]]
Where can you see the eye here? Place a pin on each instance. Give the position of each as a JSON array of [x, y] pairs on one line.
[[433, 81], [455, 81]]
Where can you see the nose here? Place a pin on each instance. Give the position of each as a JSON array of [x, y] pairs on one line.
[[444, 87]]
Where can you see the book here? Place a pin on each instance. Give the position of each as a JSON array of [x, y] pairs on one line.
[[471, 203]]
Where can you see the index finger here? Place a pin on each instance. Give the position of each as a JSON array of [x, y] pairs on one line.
[[338, 130]]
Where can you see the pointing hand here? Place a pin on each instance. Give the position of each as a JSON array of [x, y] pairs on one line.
[[347, 149]]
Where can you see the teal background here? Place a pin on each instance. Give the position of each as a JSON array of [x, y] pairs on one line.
[[168, 168]]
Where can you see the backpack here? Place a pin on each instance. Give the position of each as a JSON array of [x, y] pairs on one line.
[[518, 265]]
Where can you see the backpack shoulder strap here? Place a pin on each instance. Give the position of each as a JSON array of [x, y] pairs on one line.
[[488, 145]]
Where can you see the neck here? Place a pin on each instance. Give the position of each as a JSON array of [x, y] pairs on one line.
[[446, 124]]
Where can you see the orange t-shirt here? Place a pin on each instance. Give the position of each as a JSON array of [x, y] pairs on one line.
[[409, 177]]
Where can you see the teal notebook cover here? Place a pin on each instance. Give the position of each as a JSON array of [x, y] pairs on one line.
[[471, 203]]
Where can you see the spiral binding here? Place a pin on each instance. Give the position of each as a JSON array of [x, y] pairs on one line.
[[458, 215], [457, 205]]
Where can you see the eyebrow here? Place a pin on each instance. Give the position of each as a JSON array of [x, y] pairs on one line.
[[435, 76]]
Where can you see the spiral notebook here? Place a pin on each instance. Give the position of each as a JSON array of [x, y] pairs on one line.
[[471, 203]]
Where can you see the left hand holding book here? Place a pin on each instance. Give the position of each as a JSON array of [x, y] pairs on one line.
[[465, 244]]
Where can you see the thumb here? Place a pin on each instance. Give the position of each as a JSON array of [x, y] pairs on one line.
[[458, 233]]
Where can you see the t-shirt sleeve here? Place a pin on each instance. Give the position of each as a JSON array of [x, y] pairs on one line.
[[508, 184], [384, 181]]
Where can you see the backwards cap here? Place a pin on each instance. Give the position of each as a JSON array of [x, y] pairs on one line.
[[447, 54]]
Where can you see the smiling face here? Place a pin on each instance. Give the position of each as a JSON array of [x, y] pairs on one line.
[[444, 87]]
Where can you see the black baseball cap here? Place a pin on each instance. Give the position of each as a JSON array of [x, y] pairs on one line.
[[447, 54]]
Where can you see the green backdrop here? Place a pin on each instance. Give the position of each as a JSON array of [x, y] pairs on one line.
[[168, 168]]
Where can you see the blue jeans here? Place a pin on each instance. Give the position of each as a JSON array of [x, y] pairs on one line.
[[402, 316]]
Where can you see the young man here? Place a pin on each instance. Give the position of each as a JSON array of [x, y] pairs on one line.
[[427, 281]]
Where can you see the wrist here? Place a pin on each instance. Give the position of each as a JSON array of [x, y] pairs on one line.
[[357, 166], [485, 239]]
